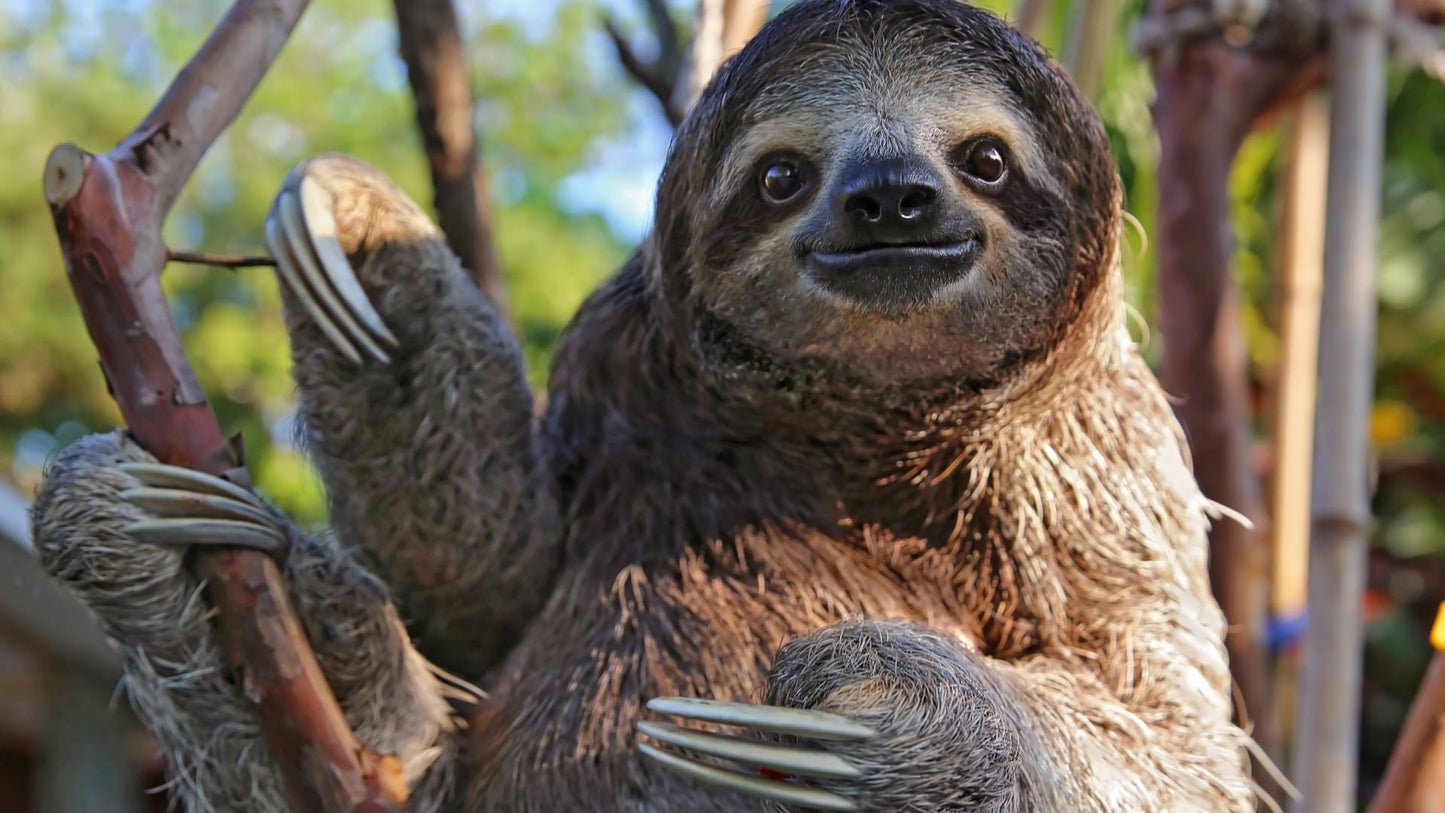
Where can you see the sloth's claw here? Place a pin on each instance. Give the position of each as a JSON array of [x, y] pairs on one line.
[[286, 266], [320, 224], [774, 761], [200, 531], [818, 725], [322, 283], [301, 234], [776, 790], [789, 759], [166, 502], [189, 507], [159, 475]]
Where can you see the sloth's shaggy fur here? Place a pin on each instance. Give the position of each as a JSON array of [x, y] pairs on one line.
[[972, 527]]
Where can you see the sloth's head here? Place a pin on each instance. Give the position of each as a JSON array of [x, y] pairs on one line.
[[905, 190]]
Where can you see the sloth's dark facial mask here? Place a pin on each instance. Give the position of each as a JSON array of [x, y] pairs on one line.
[[892, 233], [881, 200]]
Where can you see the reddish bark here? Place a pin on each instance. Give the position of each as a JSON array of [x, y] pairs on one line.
[[108, 211]]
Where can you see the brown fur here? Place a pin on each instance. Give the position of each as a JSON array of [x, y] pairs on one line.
[[970, 524]]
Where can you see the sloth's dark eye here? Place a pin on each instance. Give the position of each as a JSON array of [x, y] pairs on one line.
[[986, 162], [781, 180]]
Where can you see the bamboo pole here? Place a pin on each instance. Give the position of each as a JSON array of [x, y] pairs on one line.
[[1301, 249], [1326, 734]]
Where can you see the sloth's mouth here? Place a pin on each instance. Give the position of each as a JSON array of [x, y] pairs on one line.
[[892, 276]]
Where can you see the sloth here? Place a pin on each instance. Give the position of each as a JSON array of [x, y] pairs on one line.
[[851, 490]]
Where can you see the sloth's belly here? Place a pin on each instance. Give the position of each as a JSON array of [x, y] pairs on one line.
[[562, 735]]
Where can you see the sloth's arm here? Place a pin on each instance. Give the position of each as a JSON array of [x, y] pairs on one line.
[[415, 409], [103, 492], [898, 717]]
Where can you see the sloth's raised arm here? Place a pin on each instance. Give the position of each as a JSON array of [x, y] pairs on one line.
[[416, 410]]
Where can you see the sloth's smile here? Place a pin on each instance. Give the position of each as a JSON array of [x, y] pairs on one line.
[[892, 276]]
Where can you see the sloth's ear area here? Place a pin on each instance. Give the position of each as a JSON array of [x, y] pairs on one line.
[[303, 236]]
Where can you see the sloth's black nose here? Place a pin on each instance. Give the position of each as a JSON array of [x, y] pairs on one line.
[[888, 202]]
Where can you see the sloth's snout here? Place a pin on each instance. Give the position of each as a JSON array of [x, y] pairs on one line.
[[888, 202]]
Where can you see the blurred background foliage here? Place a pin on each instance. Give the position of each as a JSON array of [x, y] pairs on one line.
[[572, 148]]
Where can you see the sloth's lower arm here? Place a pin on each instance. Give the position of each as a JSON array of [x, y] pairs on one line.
[[949, 729], [177, 676]]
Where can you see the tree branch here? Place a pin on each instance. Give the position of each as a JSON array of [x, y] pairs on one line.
[[436, 67], [108, 211], [655, 76]]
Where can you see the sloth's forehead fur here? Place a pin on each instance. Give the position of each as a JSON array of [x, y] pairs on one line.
[[880, 78]]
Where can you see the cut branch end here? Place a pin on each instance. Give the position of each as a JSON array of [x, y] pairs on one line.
[[64, 172]]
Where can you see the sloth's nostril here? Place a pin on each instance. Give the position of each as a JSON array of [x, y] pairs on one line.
[[915, 202], [864, 207]]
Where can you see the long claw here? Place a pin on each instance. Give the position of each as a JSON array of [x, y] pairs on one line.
[[784, 792], [286, 267], [167, 502], [192, 531], [293, 227], [790, 759], [159, 475], [320, 224], [818, 725]]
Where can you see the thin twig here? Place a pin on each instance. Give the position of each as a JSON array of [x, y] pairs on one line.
[[218, 260], [651, 75]]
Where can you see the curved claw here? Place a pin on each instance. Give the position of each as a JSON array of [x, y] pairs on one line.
[[790, 759], [818, 725], [194, 508], [293, 228], [197, 531], [320, 225], [770, 759], [168, 502], [160, 475], [286, 266], [778, 791]]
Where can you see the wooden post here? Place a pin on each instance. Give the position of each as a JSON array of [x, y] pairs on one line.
[[1327, 733]]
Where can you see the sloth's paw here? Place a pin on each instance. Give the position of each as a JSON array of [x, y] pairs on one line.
[[302, 235], [862, 716]]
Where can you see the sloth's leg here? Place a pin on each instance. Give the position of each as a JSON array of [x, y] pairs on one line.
[[111, 523], [416, 411], [885, 716]]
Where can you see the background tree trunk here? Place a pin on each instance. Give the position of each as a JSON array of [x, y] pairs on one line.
[[436, 66]]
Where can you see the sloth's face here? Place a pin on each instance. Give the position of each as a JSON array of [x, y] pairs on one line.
[[889, 203]]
